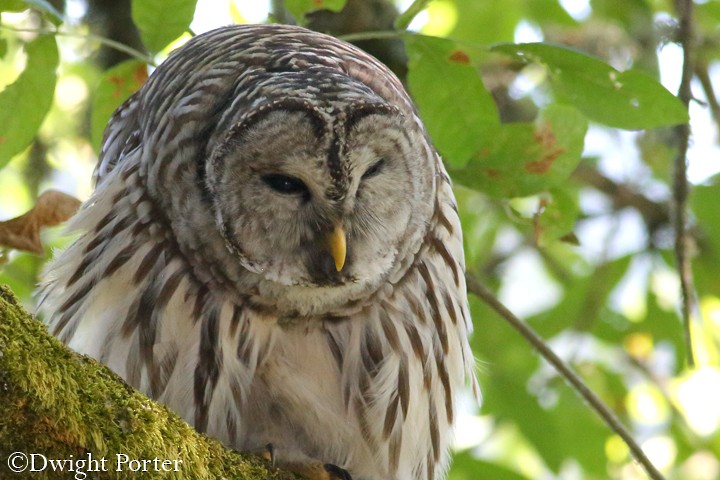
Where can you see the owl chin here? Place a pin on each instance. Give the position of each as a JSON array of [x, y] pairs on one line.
[[299, 292], [307, 300]]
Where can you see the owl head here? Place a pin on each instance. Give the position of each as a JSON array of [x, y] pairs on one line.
[[311, 166]]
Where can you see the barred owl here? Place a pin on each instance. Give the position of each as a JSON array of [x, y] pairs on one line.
[[273, 250]]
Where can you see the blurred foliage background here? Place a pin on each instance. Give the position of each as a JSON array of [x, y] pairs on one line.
[[557, 121]]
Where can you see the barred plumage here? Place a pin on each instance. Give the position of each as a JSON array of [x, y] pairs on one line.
[[211, 275]]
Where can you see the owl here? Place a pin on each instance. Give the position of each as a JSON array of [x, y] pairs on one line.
[[273, 250]]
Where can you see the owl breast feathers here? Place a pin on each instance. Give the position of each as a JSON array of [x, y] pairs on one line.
[[273, 250]]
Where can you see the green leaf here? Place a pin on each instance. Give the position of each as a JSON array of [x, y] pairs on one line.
[[162, 21], [25, 102], [299, 8], [518, 160], [549, 13], [560, 210], [466, 467], [630, 100], [704, 203], [486, 22], [456, 108], [480, 221], [13, 5], [115, 86]]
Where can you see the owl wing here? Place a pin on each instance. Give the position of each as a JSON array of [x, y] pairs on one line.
[[121, 136]]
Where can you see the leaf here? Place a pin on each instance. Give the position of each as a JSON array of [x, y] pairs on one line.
[[630, 100], [704, 202], [706, 265], [559, 209], [299, 8], [456, 108], [518, 160], [116, 85], [162, 21], [483, 22], [13, 6], [23, 232], [466, 467], [25, 102]]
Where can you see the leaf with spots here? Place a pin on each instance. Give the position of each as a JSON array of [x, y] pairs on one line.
[[521, 159], [453, 102], [23, 232], [25, 102], [116, 85], [630, 100]]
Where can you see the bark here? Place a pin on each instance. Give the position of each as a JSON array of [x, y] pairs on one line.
[[66, 406]]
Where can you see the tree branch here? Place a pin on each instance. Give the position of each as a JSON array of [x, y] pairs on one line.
[[681, 186], [703, 75], [607, 415], [62, 405], [655, 214]]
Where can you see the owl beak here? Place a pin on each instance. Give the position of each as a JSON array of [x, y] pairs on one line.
[[337, 246]]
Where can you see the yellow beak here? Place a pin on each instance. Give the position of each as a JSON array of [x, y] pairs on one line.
[[337, 246]]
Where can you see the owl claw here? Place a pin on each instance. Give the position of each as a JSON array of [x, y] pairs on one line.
[[311, 470], [269, 454], [337, 473]]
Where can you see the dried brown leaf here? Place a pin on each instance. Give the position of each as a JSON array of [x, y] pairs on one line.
[[51, 208]]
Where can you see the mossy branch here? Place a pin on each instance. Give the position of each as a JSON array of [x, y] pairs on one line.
[[63, 405]]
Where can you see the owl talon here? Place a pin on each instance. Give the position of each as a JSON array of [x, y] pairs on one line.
[[337, 473], [269, 454], [317, 471]]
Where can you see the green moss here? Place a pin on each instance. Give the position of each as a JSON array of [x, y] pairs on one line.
[[58, 403]]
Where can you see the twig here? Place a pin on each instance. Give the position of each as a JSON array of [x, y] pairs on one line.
[[702, 74], [281, 14], [655, 214], [607, 415], [402, 22], [681, 187], [88, 36]]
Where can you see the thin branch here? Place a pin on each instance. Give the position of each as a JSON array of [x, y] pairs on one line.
[[702, 74], [607, 415], [655, 214], [88, 36], [280, 14], [377, 35], [402, 22], [681, 186]]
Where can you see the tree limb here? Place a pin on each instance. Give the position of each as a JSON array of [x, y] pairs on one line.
[[63, 405]]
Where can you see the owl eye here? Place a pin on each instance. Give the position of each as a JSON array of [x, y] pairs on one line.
[[285, 184], [374, 169]]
